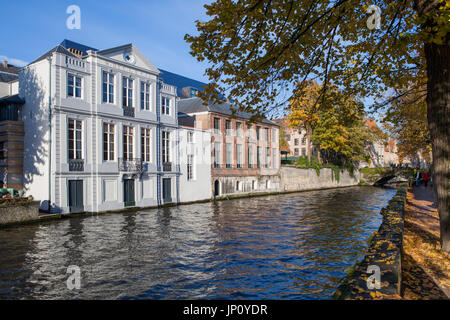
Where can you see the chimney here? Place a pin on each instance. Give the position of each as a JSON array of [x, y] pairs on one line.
[[5, 64]]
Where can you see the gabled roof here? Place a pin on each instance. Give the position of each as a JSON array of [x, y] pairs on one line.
[[195, 105], [59, 49], [8, 77], [8, 68]]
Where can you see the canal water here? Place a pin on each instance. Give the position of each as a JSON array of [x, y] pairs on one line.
[[293, 246]]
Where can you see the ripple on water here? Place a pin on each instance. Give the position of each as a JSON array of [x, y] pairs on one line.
[[293, 246]]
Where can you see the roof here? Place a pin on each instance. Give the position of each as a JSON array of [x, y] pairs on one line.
[[8, 68], [195, 105], [8, 77], [59, 49], [180, 81], [77, 46], [371, 123], [12, 99]]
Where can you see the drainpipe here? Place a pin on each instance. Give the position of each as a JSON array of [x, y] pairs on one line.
[[50, 133]]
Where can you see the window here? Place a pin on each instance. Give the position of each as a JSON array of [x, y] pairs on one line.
[[274, 135], [296, 142], [75, 128], [165, 105], [145, 144], [249, 130], [258, 131], [166, 146], [266, 133], [127, 92], [2, 151], [190, 137], [73, 86], [274, 158], [303, 141], [190, 167], [239, 155], [108, 142], [228, 127], [217, 160], [258, 157], [296, 151], [267, 157], [145, 96], [128, 153], [239, 129], [303, 151], [288, 137], [229, 155], [250, 156], [216, 125], [108, 87]]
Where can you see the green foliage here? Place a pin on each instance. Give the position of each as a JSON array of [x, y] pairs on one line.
[[304, 163], [335, 173]]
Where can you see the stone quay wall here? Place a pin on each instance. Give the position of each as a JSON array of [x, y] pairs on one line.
[[20, 213], [295, 179]]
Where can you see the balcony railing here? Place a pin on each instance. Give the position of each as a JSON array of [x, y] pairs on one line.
[[76, 165], [131, 165], [128, 112], [167, 166]]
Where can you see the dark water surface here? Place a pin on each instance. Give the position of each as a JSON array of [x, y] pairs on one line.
[[294, 246]]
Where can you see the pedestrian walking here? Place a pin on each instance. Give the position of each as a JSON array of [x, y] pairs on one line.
[[426, 178]]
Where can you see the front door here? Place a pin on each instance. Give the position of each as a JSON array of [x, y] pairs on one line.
[[167, 192], [128, 193], [76, 196]]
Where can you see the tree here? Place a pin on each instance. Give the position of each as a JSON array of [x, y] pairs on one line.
[[334, 122], [257, 50]]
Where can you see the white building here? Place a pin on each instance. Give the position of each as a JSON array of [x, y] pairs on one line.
[[112, 133], [195, 164]]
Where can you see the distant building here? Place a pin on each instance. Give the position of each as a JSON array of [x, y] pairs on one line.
[[297, 140], [382, 154]]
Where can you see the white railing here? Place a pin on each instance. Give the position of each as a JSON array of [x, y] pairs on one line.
[[167, 88]]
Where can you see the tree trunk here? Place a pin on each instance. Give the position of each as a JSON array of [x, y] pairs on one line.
[[438, 112], [308, 141]]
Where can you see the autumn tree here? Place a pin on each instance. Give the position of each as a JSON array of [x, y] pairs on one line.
[[257, 50]]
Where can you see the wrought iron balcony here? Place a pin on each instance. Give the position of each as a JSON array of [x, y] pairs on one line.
[[76, 165], [131, 165], [128, 112], [167, 166]]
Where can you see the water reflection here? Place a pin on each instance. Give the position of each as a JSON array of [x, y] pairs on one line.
[[294, 246]]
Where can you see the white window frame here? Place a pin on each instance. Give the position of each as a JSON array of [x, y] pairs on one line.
[[165, 152], [190, 167], [109, 87], [145, 95], [165, 108], [110, 135], [127, 86], [75, 149], [128, 139], [146, 144], [74, 86]]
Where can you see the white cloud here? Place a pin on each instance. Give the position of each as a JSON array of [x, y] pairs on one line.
[[13, 61]]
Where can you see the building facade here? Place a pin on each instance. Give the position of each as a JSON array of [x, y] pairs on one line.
[[101, 130], [297, 140], [245, 156]]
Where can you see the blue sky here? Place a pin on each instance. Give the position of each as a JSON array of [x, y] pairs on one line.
[[157, 28]]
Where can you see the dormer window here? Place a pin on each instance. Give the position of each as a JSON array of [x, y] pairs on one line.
[[73, 86]]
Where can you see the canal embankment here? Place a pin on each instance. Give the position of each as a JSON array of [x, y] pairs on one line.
[[19, 212], [379, 274]]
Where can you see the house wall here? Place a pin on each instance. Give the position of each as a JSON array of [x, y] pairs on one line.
[[199, 188]]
